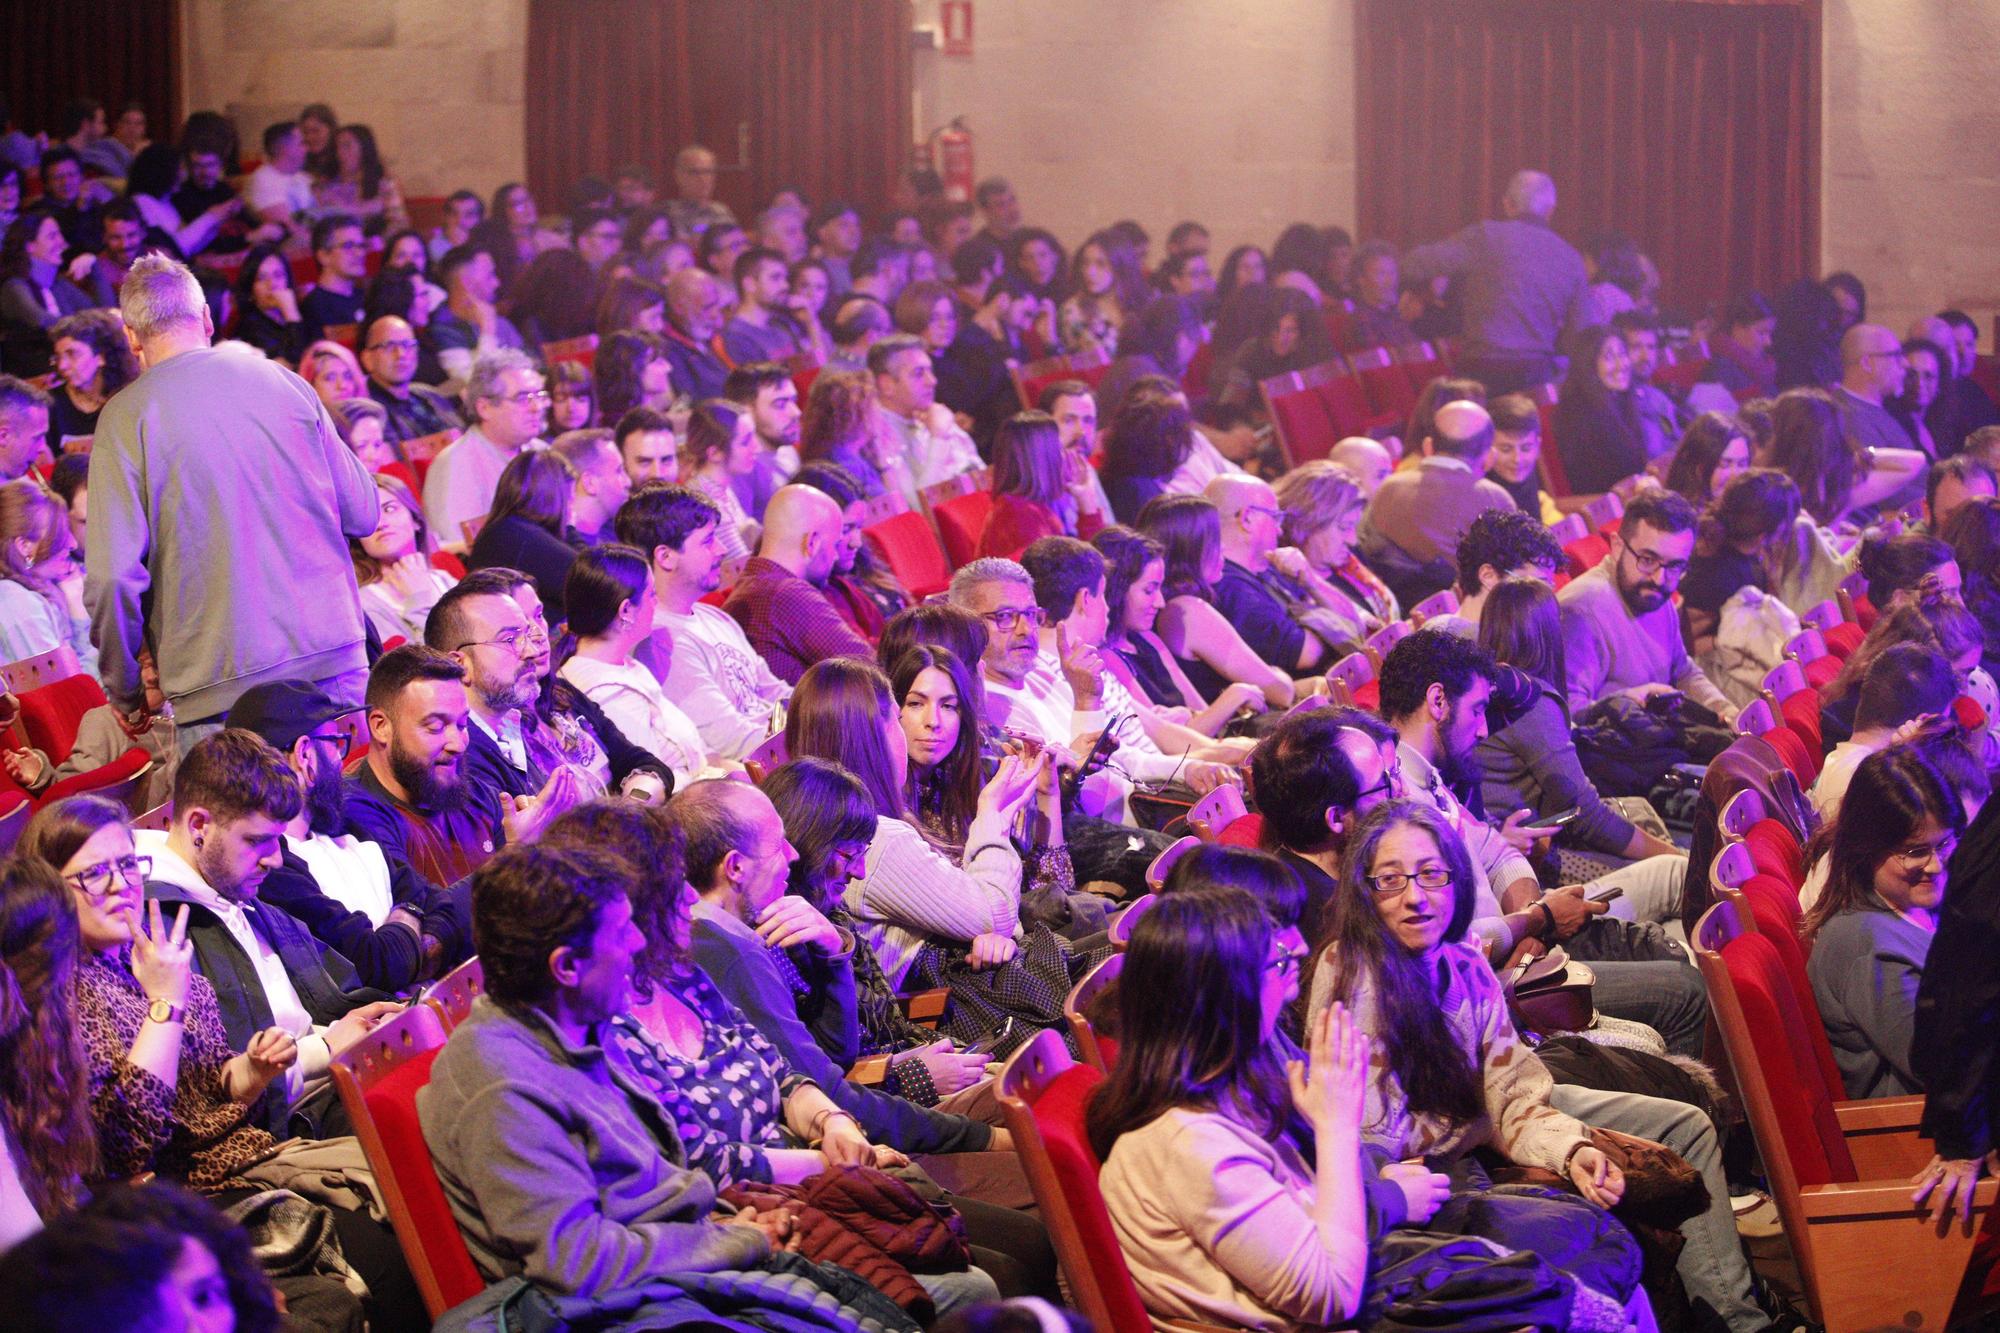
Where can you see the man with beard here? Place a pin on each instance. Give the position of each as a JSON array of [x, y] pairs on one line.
[[381, 915], [233, 797], [768, 390], [698, 651], [1621, 632], [1435, 691], [413, 794]]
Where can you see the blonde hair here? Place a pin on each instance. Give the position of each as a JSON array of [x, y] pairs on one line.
[[31, 513], [1315, 496], [322, 350]]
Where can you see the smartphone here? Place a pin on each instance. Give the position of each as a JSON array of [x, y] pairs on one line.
[[1107, 741], [1559, 819], [987, 1044], [1610, 895]]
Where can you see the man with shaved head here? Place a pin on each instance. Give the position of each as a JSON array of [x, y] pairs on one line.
[[1872, 368], [1368, 460], [778, 600], [1411, 530], [1265, 589], [694, 317], [1520, 287]]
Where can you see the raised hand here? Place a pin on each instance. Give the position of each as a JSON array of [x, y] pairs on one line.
[[162, 958], [1331, 1089], [1082, 667], [1012, 784]]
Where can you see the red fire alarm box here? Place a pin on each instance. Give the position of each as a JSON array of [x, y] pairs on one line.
[[955, 17]]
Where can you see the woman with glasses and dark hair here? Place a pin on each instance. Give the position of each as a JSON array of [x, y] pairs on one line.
[[165, 1090], [1869, 931]]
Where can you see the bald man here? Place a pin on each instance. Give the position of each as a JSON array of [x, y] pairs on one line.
[[1410, 533], [1368, 460], [695, 209], [1267, 590], [1521, 287], [779, 600], [695, 313], [1873, 366]]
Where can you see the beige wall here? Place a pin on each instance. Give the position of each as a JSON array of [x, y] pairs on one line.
[[1238, 114], [1910, 198], [439, 81]]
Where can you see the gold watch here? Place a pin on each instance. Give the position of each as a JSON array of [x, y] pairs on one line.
[[164, 1011]]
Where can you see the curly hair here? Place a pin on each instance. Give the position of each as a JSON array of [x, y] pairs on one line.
[[44, 1070], [653, 853], [103, 333], [840, 411]]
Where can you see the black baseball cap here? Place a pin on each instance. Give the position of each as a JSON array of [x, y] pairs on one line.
[[285, 710]]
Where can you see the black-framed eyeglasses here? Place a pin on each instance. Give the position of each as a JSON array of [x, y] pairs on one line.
[[1387, 787], [96, 882], [340, 737], [1652, 562], [393, 345], [1276, 514], [1395, 882], [1006, 618]]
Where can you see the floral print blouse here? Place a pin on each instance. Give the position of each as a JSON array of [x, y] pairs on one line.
[[728, 1102], [192, 1132]]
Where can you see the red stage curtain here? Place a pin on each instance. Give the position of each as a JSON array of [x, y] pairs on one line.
[[117, 51], [1690, 125], [813, 94]]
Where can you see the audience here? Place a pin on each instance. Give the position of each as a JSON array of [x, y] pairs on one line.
[[939, 811]]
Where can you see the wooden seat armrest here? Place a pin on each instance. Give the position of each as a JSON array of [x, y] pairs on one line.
[[1189, 1326], [870, 1071], [924, 1006], [1879, 1198], [1879, 1114]]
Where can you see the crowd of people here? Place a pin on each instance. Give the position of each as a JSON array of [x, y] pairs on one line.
[[507, 592]]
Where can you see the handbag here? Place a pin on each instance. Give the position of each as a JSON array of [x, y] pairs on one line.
[[1550, 993]]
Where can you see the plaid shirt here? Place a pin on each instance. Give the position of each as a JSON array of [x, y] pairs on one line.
[[790, 622]]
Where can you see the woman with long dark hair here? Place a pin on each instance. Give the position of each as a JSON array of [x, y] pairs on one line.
[[528, 524], [1713, 450], [1531, 763], [1032, 495], [1036, 257], [632, 371], [721, 449], [1869, 932], [359, 185], [267, 307], [1599, 429], [1144, 446], [1208, 648], [1289, 335], [36, 290], [1809, 442], [1805, 337], [1135, 573], [1108, 288], [830, 820], [1237, 1175]]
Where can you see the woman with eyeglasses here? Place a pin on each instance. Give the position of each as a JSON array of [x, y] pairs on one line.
[[167, 1093], [1870, 930], [1240, 1179]]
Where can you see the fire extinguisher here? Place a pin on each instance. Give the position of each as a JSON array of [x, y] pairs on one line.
[[954, 160]]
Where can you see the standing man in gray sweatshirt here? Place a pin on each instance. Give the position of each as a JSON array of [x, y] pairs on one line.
[[222, 501]]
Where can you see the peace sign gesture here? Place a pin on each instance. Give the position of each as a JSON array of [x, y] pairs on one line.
[[162, 958]]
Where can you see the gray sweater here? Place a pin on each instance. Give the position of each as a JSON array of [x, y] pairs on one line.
[[1531, 764], [221, 501], [1865, 968], [560, 1169], [1608, 648]]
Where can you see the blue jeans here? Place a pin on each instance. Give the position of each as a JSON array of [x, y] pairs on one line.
[[1667, 997], [1712, 1264], [955, 1291]]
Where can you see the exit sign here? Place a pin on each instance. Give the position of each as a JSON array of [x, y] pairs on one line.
[[955, 17]]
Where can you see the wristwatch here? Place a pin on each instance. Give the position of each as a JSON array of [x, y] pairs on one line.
[[164, 1011]]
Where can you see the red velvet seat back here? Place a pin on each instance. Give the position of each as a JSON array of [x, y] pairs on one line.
[[1801, 713], [1793, 751], [392, 1103], [1346, 404], [1389, 391], [1244, 831], [1060, 1111], [51, 714], [1305, 425], [1804, 1109], [961, 522], [1774, 851], [1844, 638], [1775, 909], [907, 546], [1586, 553]]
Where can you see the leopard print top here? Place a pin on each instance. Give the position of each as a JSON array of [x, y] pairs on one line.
[[191, 1132]]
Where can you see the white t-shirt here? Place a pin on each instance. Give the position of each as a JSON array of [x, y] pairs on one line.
[[352, 872], [269, 187], [716, 677], [637, 706]]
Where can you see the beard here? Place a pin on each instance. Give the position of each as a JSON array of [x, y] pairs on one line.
[[1460, 770], [326, 801], [420, 777], [1642, 597], [517, 691], [211, 862]]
